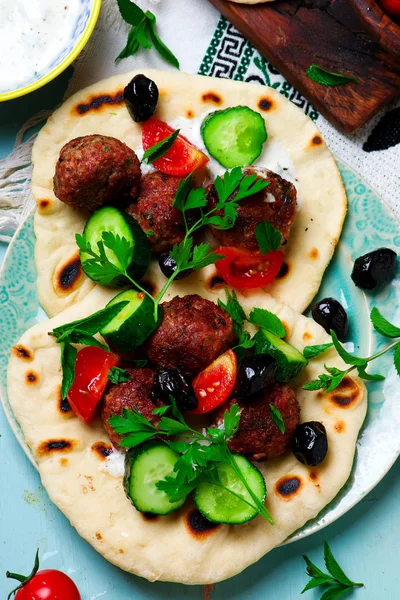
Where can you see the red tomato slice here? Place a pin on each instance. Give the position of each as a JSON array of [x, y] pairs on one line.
[[214, 385], [391, 7], [244, 269], [181, 159], [91, 371]]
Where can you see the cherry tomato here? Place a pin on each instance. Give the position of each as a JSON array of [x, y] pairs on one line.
[[214, 385], [48, 584], [244, 269], [91, 371], [391, 7], [181, 159]]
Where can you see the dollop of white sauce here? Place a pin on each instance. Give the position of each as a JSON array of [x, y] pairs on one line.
[[273, 156], [114, 464], [32, 34]]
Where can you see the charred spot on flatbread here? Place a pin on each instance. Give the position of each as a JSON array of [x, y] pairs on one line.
[[313, 254], [346, 394], [63, 462], [98, 102], [288, 486], [68, 275], [265, 104], [149, 516], [314, 476], [98, 536], [212, 97], [189, 114], [214, 282], [317, 140], [150, 287], [198, 526], [340, 426], [31, 377], [307, 337], [55, 445], [102, 450], [44, 204], [284, 270], [21, 352], [64, 406]]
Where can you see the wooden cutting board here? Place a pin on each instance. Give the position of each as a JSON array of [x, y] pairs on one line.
[[292, 34]]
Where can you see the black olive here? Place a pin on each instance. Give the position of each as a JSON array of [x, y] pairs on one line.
[[141, 97], [168, 266], [255, 373], [171, 382], [374, 268], [330, 314], [310, 444]]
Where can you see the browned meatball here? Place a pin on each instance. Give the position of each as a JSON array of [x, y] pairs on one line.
[[258, 437], [155, 213], [192, 334], [94, 170], [135, 393], [257, 208]]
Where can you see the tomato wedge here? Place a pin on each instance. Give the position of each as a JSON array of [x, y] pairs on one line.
[[214, 385], [244, 269], [91, 376], [181, 159]]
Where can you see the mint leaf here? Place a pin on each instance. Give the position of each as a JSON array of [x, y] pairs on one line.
[[315, 582], [349, 359], [396, 358], [130, 12], [310, 352], [68, 359], [160, 148], [159, 45], [336, 381], [277, 418], [117, 375], [369, 376], [334, 592], [320, 75], [233, 307], [382, 325], [77, 336], [334, 569], [313, 570], [268, 237], [131, 47], [267, 320], [94, 323]]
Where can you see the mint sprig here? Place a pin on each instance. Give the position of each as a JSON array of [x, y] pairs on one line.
[[328, 78], [337, 580]]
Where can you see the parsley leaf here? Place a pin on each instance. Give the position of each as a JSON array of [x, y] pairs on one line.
[[117, 375], [277, 418], [382, 325], [160, 148], [68, 358], [268, 237], [233, 307], [313, 351], [267, 320], [328, 78]]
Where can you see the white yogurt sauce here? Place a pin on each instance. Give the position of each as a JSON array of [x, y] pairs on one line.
[[32, 34], [114, 464], [273, 156]]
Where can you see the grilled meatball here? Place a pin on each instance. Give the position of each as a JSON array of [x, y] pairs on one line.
[[258, 437], [276, 203], [155, 213], [94, 170], [135, 393], [192, 334]]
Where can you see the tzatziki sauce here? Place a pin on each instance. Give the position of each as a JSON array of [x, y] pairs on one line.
[[33, 34]]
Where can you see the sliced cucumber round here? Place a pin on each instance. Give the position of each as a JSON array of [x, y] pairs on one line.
[[144, 467], [133, 324], [234, 136], [110, 219], [222, 506], [290, 360]]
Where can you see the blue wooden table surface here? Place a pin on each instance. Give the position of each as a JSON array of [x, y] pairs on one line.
[[365, 540]]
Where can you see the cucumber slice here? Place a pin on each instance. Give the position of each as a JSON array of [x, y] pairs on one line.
[[234, 136], [111, 219], [144, 467], [133, 324], [221, 506], [290, 360]]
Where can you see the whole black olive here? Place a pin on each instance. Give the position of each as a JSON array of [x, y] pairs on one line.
[[168, 267], [141, 97], [255, 373], [330, 314], [374, 268], [171, 382], [309, 443]]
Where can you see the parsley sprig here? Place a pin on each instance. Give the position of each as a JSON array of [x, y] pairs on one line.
[[199, 455], [339, 580], [330, 380], [143, 33]]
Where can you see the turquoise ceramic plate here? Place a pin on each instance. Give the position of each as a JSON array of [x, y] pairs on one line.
[[369, 225]]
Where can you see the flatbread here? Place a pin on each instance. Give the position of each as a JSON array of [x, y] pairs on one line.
[[100, 109], [70, 458]]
